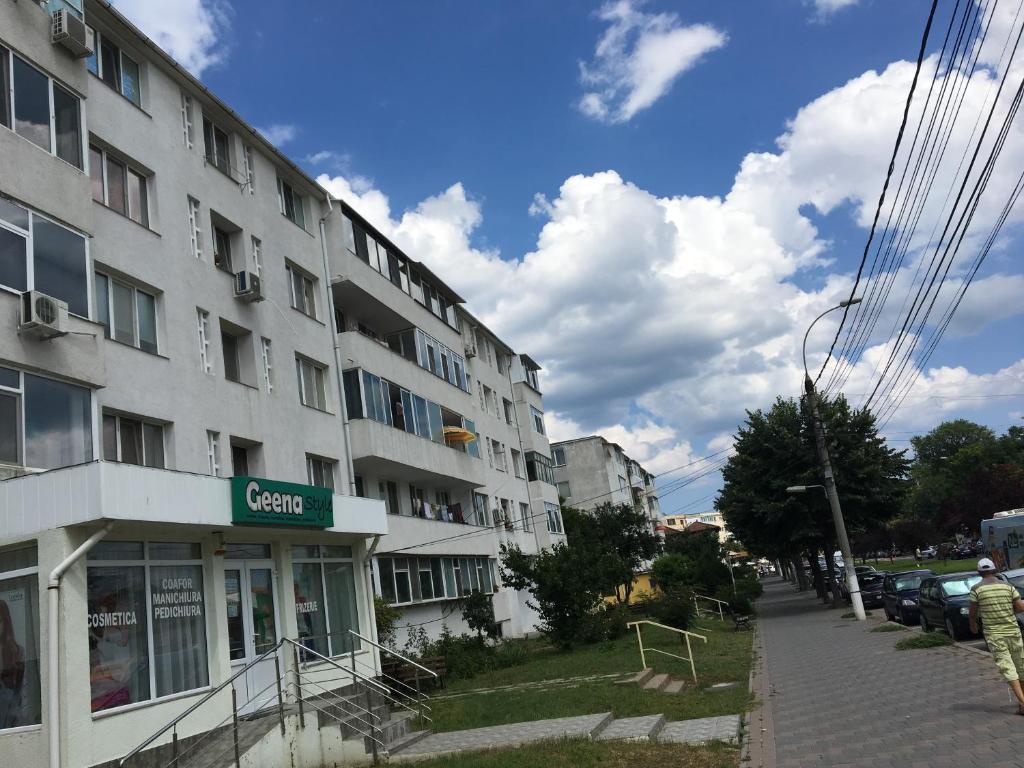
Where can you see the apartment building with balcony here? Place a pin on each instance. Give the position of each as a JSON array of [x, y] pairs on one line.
[[445, 424], [175, 496], [591, 471]]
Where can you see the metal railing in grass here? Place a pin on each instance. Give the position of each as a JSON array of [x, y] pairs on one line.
[[719, 605], [686, 635]]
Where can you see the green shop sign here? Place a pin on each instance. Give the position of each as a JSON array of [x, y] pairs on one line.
[[255, 501]]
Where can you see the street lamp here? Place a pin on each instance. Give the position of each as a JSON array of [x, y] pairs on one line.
[[826, 470]]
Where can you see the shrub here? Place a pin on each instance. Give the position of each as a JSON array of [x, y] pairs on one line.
[[889, 627], [673, 607], [615, 619], [466, 655], [386, 616], [478, 611], [931, 640]]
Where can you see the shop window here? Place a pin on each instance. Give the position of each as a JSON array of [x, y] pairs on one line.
[[44, 423], [146, 622], [20, 699], [325, 598]]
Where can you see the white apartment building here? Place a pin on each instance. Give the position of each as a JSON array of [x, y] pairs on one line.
[[210, 402], [712, 517], [591, 471]]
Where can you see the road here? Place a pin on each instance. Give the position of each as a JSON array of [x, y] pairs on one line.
[[839, 695]]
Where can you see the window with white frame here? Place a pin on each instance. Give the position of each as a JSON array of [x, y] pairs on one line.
[[19, 619], [188, 133], [213, 451], [40, 109], [128, 314], [203, 324], [554, 516], [194, 228], [146, 619], [118, 185], [249, 168], [499, 456], [268, 364], [538, 420], [405, 580], [217, 143], [558, 457], [222, 247], [320, 471], [517, 462], [291, 203], [524, 516], [44, 423], [564, 490], [312, 383], [39, 254], [115, 67], [326, 606], [132, 440], [510, 410], [303, 290], [257, 256]]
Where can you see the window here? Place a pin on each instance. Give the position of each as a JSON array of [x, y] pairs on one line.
[[128, 314], [249, 168], [325, 598], [517, 462], [268, 365], [531, 378], [114, 67], [558, 457], [218, 144], [428, 353], [291, 203], [222, 249], [499, 456], [43, 111], [622, 484], [196, 234], [39, 254], [239, 460], [131, 440], [257, 256], [118, 186], [19, 632], [524, 516], [213, 451], [538, 468], [538, 420], [44, 423], [320, 472], [303, 290], [203, 323], [406, 580], [388, 490], [187, 112], [554, 516], [564, 491], [146, 621], [312, 391], [510, 411], [229, 348]]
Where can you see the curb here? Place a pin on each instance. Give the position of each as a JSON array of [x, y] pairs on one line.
[[758, 736]]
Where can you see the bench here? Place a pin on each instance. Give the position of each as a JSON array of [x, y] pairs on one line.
[[406, 674], [740, 622]]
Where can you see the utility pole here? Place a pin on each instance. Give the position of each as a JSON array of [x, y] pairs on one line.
[[833, 501]]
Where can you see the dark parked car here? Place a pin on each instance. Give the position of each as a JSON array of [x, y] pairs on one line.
[[862, 572], [943, 603], [899, 595], [871, 588], [1016, 577]]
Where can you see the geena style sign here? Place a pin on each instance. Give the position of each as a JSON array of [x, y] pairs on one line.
[[257, 501]]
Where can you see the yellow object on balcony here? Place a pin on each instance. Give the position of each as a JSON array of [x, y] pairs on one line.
[[458, 435]]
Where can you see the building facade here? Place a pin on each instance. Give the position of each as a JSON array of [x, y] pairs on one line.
[[214, 410], [591, 471], [713, 517]]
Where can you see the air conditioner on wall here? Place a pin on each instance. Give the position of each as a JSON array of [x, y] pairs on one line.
[[247, 287], [69, 30], [42, 316]]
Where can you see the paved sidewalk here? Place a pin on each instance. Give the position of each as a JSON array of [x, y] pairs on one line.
[[842, 696]]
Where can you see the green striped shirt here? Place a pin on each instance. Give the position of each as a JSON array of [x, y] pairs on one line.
[[995, 607]]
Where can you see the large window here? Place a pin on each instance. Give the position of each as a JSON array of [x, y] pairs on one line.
[[133, 441], [303, 290], [538, 468], [39, 254], [43, 111], [406, 580], [538, 420], [19, 638], [554, 516], [325, 598], [291, 203], [431, 355], [119, 186], [115, 67], [128, 313], [312, 387], [44, 423], [558, 456], [218, 146], [146, 621]]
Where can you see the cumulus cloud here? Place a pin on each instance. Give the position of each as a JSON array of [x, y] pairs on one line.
[[192, 31], [638, 58], [279, 134], [826, 8]]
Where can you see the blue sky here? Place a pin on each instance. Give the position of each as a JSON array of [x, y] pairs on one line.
[[659, 245]]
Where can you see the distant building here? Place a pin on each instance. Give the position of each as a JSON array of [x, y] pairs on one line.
[[702, 520]]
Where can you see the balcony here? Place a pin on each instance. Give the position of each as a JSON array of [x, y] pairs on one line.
[[379, 450]]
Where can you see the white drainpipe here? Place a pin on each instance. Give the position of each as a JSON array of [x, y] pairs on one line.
[[53, 639], [367, 580]]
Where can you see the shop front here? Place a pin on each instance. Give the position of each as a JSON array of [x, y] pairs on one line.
[[187, 581]]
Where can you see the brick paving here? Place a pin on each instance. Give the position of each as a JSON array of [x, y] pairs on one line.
[[842, 696]]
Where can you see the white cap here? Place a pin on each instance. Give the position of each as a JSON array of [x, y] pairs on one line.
[[985, 565]]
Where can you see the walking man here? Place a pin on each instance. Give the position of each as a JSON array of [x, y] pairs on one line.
[[995, 602]]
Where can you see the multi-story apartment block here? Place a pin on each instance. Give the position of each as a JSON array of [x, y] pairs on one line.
[[205, 362], [590, 471], [683, 521]]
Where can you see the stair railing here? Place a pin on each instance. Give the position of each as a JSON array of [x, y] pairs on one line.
[[686, 635], [421, 705], [720, 603]]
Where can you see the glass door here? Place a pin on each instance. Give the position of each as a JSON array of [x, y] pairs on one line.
[[251, 604]]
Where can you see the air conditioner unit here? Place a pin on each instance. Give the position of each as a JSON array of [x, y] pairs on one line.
[[470, 350], [69, 30], [247, 287], [42, 316]]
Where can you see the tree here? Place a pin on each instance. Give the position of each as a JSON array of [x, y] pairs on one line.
[[478, 612], [704, 556], [619, 539]]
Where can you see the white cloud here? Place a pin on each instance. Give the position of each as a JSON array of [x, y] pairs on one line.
[[638, 58], [192, 31], [826, 8], [279, 134]]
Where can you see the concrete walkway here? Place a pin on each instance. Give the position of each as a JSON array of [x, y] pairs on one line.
[[839, 696]]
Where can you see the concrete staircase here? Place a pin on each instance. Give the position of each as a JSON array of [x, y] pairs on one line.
[[651, 681]]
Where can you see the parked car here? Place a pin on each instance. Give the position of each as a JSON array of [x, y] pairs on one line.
[[1016, 577], [899, 595], [966, 550], [871, 589], [861, 571], [943, 602], [930, 552]]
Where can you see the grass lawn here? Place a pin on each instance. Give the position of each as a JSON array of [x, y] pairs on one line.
[[725, 658], [579, 753], [940, 567]]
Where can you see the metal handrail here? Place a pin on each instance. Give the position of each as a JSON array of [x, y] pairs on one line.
[[393, 679], [721, 615], [686, 634], [350, 672], [384, 648], [202, 701]]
